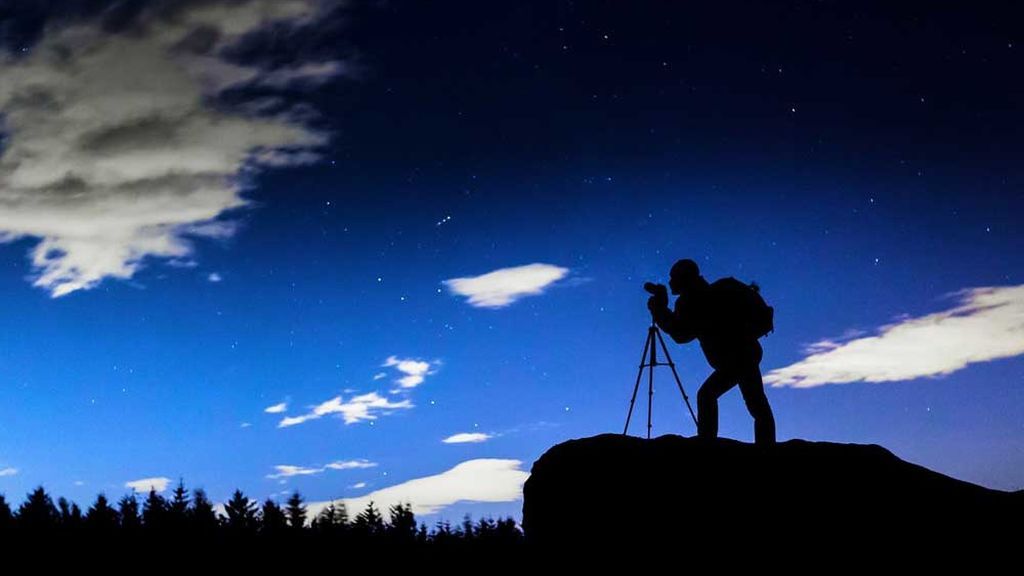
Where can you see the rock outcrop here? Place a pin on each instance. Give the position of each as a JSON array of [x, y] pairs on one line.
[[614, 490]]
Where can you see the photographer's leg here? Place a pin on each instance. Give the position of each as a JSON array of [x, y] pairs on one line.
[[707, 402], [752, 388]]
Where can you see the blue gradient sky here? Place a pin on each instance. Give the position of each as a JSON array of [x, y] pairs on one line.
[[472, 140]]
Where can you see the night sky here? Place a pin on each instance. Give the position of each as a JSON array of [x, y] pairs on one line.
[[395, 250]]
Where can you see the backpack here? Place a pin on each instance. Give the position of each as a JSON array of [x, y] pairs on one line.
[[748, 310]]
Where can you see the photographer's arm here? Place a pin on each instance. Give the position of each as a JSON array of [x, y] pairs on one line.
[[674, 323]]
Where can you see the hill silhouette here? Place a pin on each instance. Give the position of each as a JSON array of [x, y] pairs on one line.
[[674, 493]]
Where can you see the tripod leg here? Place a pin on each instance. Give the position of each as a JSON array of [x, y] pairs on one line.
[[679, 382], [643, 359], [650, 381]]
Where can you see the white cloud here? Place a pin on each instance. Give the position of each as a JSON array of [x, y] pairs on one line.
[[351, 465], [117, 148], [214, 277], [276, 408], [8, 472], [246, 425], [415, 371], [380, 375], [287, 471], [483, 480], [986, 324], [467, 437], [358, 485], [146, 484], [355, 409], [503, 287]]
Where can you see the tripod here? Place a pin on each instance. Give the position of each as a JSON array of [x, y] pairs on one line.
[[650, 361]]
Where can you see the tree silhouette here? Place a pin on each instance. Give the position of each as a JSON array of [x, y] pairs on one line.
[[101, 518], [369, 523], [177, 508], [274, 520], [296, 511], [37, 513], [402, 527], [242, 514], [128, 510], [248, 527], [154, 512], [6, 517], [466, 530], [443, 534], [332, 520], [202, 516], [70, 515], [507, 531]]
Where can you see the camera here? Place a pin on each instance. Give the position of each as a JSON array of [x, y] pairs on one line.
[[655, 289]]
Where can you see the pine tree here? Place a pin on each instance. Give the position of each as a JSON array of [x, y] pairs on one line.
[[128, 510], [177, 508], [402, 527], [70, 515], [6, 517], [242, 514], [369, 522], [507, 531], [202, 516], [332, 520], [296, 511], [101, 518], [485, 530], [467, 531], [154, 512], [37, 513], [443, 534], [274, 520]]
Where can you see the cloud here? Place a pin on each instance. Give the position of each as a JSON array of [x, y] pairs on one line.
[[483, 480], [467, 437], [146, 484], [276, 408], [245, 425], [214, 277], [8, 472], [355, 409], [415, 370], [358, 485], [351, 465], [287, 471], [118, 147], [369, 406], [502, 287], [986, 324]]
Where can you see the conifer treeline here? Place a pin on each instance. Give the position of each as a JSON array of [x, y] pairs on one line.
[[193, 516]]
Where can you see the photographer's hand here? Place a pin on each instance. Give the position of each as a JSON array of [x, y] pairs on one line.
[[659, 300], [654, 304]]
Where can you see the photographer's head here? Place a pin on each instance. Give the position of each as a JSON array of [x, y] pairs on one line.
[[685, 276]]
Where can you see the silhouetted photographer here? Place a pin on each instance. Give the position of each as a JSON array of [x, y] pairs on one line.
[[727, 317]]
